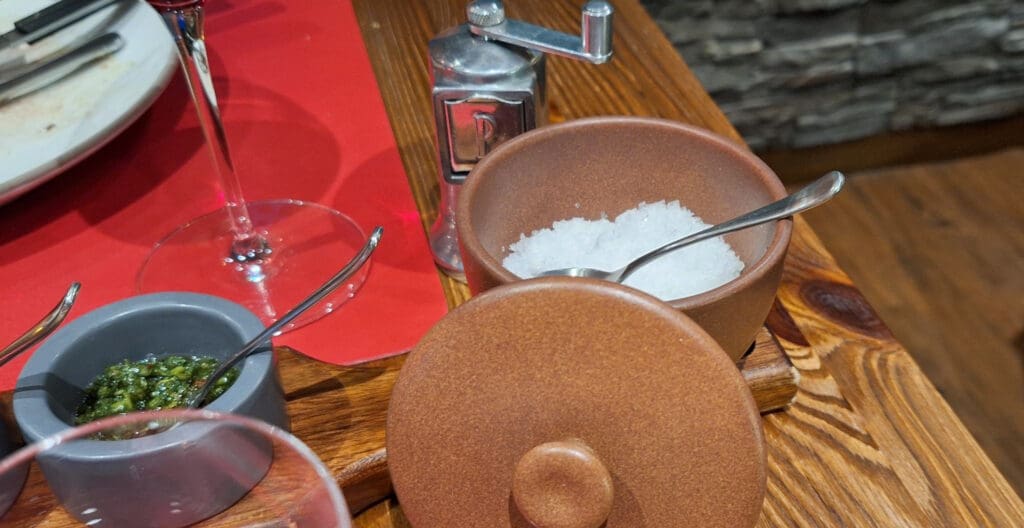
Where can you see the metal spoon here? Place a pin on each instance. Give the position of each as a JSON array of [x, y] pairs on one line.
[[315, 297], [43, 328], [813, 195]]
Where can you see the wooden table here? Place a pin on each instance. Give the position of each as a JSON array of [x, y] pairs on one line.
[[869, 441]]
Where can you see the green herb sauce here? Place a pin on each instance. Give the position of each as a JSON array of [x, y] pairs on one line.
[[150, 384]]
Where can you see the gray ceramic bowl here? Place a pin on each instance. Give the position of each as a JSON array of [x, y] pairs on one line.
[[84, 475]]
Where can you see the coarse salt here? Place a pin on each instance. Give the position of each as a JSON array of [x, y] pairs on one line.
[[610, 244]]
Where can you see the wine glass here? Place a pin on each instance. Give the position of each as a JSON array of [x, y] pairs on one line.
[[193, 468], [264, 255]]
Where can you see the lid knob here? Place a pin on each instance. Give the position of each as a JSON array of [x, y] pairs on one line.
[[562, 485]]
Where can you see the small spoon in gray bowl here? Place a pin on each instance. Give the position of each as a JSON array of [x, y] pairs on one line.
[[813, 195], [337, 280]]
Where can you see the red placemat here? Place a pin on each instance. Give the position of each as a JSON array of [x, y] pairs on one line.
[[304, 119]]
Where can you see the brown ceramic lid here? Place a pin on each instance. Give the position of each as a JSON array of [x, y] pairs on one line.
[[567, 402]]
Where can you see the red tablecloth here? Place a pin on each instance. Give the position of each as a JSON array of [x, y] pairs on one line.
[[305, 120]]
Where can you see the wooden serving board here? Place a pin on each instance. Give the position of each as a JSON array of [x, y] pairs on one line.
[[340, 413]]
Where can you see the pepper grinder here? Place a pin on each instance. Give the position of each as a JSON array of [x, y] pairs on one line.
[[488, 87]]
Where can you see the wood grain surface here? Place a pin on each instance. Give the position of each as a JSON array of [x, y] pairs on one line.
[[869, 441], [938, 250]]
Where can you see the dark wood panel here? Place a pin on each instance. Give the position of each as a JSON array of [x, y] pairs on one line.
[[898, 148]]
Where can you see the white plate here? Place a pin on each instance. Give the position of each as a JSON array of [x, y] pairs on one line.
[[45, 132]]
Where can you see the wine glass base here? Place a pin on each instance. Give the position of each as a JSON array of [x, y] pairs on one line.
[[308, 243]]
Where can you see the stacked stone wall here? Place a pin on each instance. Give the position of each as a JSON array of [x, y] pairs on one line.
[[801, 73]]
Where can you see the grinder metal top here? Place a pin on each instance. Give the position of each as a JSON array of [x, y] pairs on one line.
[[489, 86]]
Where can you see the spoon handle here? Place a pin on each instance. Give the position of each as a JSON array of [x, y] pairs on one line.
[[814, 194], [329, 286], [43, 328]]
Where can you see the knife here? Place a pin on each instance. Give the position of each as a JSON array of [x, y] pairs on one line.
[[42, 24], [60, 67]]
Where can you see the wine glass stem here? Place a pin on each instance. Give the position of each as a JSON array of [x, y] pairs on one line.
[[186, 24]]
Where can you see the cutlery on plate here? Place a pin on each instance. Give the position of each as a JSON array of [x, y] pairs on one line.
[[60, 67], [41, 24]]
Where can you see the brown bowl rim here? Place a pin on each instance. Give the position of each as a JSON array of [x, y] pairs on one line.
[[775, 251]]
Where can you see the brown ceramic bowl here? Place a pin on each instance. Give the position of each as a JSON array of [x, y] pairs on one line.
[[607, 165]]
